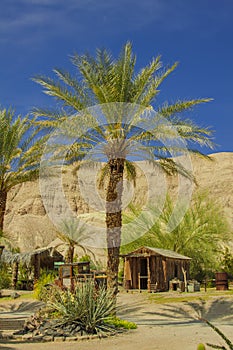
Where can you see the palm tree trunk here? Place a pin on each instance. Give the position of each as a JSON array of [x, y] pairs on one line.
[[36, 268], [70, 254], [15, 270], [3, 198], [114, 221]]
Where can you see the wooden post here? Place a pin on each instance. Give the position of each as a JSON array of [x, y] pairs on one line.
[[185, 279], [139, 282], [71, 279], [61, 276], [148, 274]]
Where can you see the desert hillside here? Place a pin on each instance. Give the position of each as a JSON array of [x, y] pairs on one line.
[[26, 216]]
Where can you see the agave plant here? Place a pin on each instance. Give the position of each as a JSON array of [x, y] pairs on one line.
[[87, 307]]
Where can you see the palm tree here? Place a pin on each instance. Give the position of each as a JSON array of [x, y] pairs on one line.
[[112, 83], [71, 234], [19, 154], [19, 162]]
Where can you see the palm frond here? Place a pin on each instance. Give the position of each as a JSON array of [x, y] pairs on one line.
[[91, 73], [124, 72], [131, 173], [168, 110], [20, 150], [53, 88], [103, 175], [144, 78], [152, 88]]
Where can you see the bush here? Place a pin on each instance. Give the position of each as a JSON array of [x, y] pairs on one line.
[[85, 258], [43, 284], [119, 323], [5, 281], [87, 307]]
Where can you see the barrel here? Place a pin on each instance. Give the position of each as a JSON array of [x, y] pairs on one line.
[[221, 279]]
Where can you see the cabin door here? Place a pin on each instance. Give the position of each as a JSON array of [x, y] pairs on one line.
[[143, 273]]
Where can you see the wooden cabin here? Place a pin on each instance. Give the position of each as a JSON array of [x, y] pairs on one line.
[[155, 269]]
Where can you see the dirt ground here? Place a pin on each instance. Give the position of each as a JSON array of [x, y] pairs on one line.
[[174, 325]]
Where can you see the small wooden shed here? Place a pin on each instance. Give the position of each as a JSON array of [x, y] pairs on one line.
[[39, 258], [154, 268]]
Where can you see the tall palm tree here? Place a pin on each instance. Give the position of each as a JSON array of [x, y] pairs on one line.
[[19, 154], [104, 81]]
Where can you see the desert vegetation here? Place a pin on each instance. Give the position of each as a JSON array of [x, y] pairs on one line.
[[119, 90], [203, 234]]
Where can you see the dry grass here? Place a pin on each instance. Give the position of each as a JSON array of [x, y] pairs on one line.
[[176, 297]]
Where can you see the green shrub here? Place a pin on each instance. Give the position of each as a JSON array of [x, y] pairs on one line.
[[201, 346], [93, 265], [85, 258], [5, 280], [43, 285], [119, 323], [87, 307]]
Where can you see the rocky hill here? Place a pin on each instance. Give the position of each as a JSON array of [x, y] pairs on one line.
[[27, 220]]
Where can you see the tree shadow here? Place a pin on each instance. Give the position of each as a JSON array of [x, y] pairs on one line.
[[215, 310], [20, 307], [125, 310], [220, 310], [6, 347]]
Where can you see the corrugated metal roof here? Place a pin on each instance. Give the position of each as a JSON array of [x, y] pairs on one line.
[[164, 252], [169, 253]]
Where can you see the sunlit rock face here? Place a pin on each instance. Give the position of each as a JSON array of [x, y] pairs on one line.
[[27, 220]]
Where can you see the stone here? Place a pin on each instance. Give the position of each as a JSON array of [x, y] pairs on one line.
[[103, 335], [27, 336], [71, 338], [15, 295], [37, 337], [83, 337], [94, 336], [59, 339], [47, 338]]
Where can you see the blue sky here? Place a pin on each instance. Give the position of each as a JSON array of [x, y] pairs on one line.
[[39, 35]]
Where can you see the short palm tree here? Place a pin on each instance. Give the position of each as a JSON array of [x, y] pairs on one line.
[[112, 83], [72, 234], [19, 154]]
